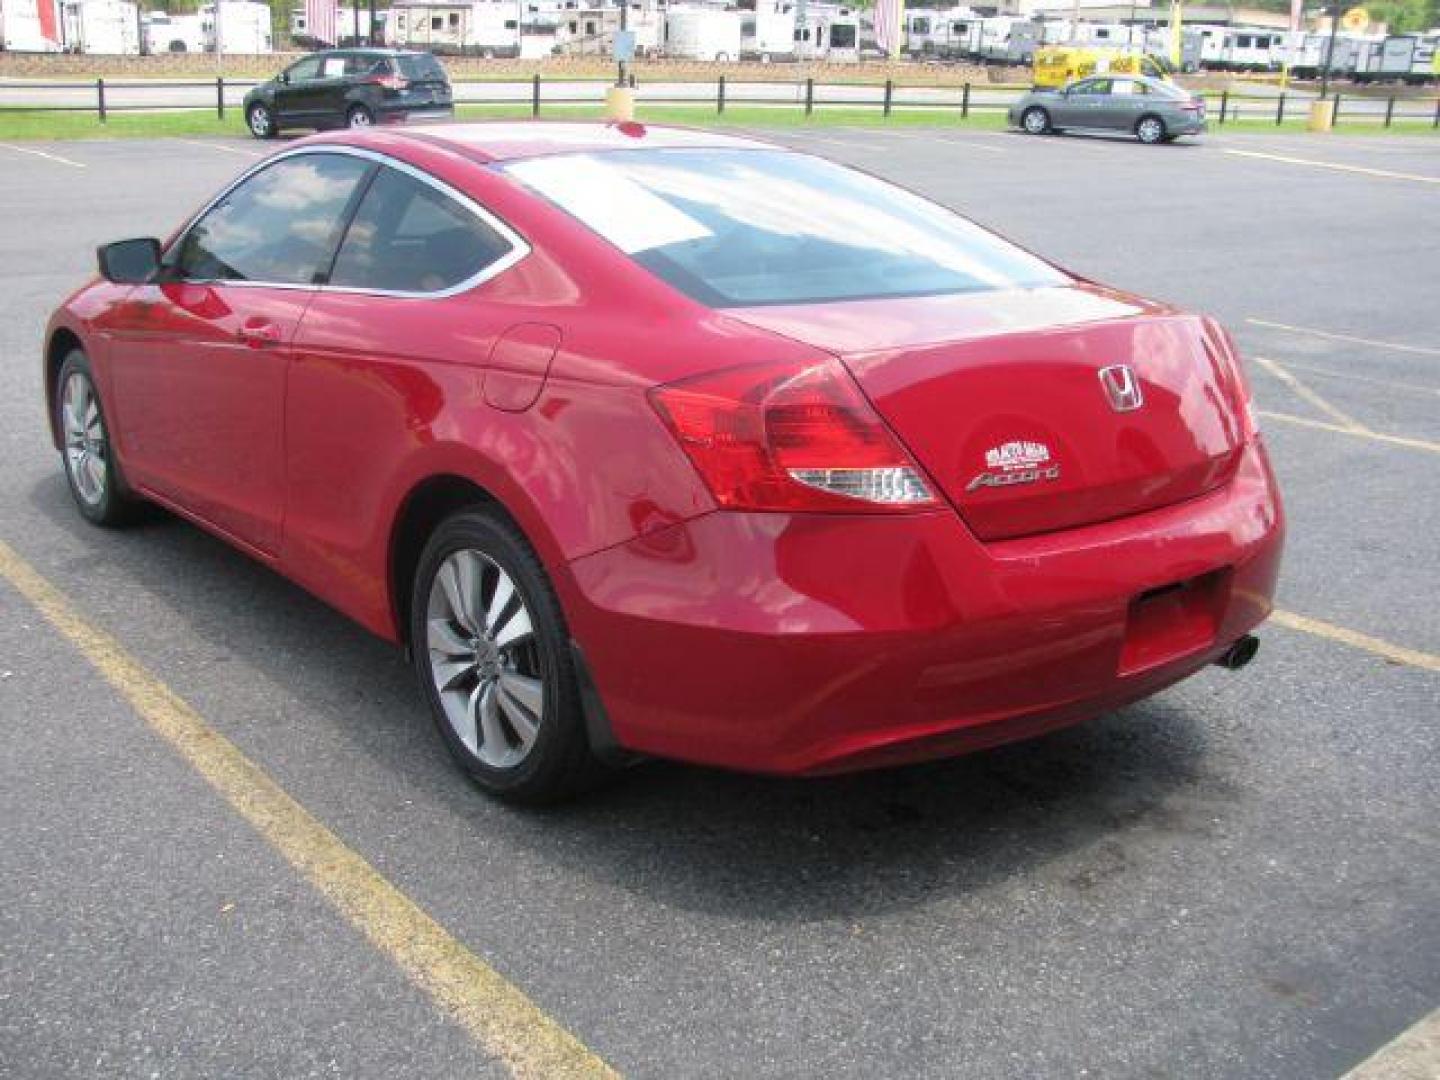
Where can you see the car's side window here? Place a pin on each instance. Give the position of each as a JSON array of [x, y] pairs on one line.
[[306, 69], [334, 67], [408, 236], [1096, 86], [278, 226]]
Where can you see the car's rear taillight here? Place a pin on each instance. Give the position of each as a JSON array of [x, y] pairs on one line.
[[782, 437], [390, 82]]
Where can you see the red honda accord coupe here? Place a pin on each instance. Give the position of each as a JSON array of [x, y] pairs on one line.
[[658, 442]]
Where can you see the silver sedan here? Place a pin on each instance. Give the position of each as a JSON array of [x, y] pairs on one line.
[[1151, 110]]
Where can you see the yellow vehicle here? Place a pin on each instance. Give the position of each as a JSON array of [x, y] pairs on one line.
[[1061, 64]]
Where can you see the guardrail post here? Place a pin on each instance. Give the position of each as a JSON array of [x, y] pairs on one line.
[[535, 96], [965, 102], [1224, 104], [889, 94], [1280, 110], [220, 96], [1336, 118], [1389, 110], [100, 98], [720, 95], [809, 95]]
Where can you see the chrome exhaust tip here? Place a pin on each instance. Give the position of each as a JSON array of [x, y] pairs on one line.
[[1240, 653]]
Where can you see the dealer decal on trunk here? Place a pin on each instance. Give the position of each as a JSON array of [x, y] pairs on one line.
[[1018, 462]]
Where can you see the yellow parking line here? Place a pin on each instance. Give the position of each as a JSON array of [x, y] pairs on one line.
[[1337, 166], [1413, 1055], [220, 146], [1373, 436], [498, 1015], [1423, 350], [44, 154], [1395, 653], [1311, 396]]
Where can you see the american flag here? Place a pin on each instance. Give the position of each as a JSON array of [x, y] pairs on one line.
[[320, 19], [888, 34]]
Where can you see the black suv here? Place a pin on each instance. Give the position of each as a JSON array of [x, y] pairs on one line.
[[350, 88]]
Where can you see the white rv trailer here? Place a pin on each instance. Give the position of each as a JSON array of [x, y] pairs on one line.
[[1246, 48], [244, 27], [29, 26], [829, 32], [767, 35], [924, 31], [961, 35], [702, 34], [166, 33], [1409, 58], [110, 27], [995, 37]]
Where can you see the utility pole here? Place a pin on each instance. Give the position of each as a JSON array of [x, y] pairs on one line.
[[624, 25]]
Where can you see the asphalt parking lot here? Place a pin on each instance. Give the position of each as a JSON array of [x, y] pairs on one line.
[[1235, 879]]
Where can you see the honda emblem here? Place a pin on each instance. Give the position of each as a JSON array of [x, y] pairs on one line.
[[1122, 387]]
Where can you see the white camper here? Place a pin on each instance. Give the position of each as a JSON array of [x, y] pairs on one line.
[[702, 34]]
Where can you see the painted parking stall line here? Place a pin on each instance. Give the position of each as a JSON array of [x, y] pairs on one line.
[[1349, 339], [1396, 654], [1313, 163], [1375, 436], [497, 1014], [1340, 417], [58, 159]]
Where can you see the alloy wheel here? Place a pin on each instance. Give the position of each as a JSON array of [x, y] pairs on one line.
[[1151, 130], [87, 451], [485, 659], [1035, 121], [260, 121], [359, 118]]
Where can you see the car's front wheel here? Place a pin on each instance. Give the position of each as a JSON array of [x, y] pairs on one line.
[[1150, 130], [492, 652], [359, 116], [94, 476], [1035, 120], [261, 121]]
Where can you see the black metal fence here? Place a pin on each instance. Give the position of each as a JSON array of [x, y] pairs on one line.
[[99, 97]]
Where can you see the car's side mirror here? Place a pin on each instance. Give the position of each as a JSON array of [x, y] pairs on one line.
[[129, 262], [283, 78]]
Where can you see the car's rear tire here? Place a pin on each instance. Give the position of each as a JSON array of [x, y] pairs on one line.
[[96, 483], [1035, 121], [1150, 130], [359, 116], [261, 121], [492, 653]]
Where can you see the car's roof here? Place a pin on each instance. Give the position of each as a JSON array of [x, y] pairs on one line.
[[512, 141]]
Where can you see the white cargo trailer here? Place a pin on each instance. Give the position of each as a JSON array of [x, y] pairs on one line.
[[108, 27], [243, 27], [702, 34], [30, 26], [166, 33]]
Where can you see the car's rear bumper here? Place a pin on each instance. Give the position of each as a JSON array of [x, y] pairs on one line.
[[806, 644], [414, 114]]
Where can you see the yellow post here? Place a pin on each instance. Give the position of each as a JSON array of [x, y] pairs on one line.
[[1175, 31], [619, 103]]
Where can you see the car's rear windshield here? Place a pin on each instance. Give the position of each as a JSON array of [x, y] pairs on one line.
[[736, 228], [419, 67]]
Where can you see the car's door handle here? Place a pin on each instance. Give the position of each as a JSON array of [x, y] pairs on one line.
[[259, 333]]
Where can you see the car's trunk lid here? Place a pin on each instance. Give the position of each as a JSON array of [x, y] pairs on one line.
[[1001, 398]]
